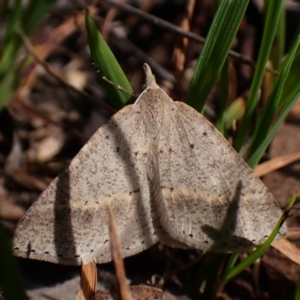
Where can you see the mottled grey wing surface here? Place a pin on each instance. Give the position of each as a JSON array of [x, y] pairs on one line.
[[69, 222], [207, 197]]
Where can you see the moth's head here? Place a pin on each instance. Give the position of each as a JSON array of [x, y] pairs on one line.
[[150, 79]]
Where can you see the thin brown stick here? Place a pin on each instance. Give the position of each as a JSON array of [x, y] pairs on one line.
[[288, 249], [88, 281], [168, 26], [31, 50], [129, 47], [124, 290], [107, 24], [276, 163], [181, 44]]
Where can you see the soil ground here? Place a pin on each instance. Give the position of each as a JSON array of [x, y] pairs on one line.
[[46, 124]]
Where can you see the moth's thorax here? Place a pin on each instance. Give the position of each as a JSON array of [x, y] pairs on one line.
[[153, 105]]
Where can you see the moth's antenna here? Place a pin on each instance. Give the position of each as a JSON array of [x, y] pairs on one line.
[[120, 88]]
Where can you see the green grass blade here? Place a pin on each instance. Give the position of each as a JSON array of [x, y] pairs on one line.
[[6, 87], [206, 276], [28, 21], [231, 273], [230, 264], [14, 20], [253, 160], [12, 41], [107, 65], [297, 292], [215, 50], [277, 52], [34, 14], [10, 277], [273, 14], [223, 96], [292, 84], [275, 104], [232, 113]]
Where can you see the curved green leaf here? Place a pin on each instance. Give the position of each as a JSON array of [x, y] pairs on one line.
[[107, 65]]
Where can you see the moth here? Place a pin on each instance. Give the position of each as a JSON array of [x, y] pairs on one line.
[[168, 175]]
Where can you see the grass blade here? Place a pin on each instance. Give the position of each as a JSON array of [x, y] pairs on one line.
[[12, 41], [215, 50], [277, 52], [10, 277], [6, 87], [203, 283], [107, 65], [230, 273], [34, 14], [28, 21], [292, 84], [223, 96], [273, 14], [232, 113], [297, 293], [263, 137]]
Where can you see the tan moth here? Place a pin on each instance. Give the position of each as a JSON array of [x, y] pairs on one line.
[[167, 174]]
